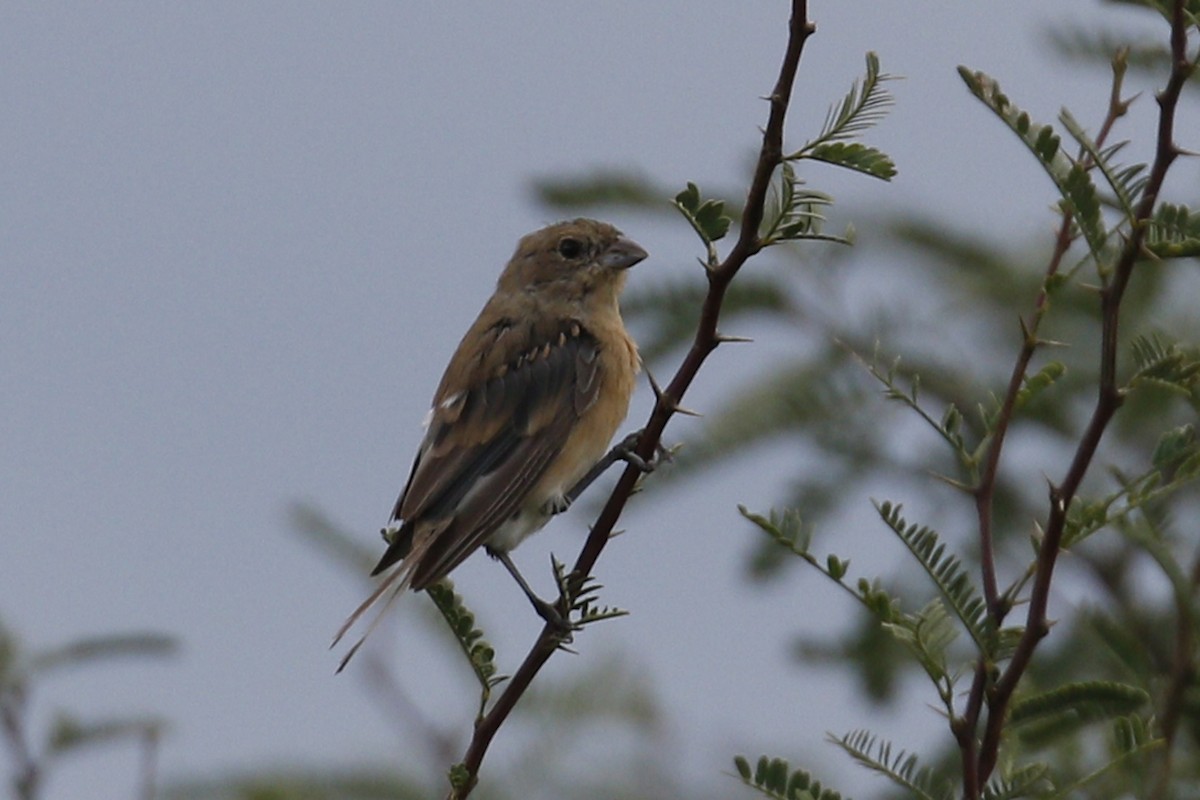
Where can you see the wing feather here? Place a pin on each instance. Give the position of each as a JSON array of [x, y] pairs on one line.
[[486, 450]]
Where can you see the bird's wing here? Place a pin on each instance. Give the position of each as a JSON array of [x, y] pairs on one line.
[[490, 442]]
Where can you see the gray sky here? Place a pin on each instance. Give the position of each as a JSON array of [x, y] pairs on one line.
[[239, 242]]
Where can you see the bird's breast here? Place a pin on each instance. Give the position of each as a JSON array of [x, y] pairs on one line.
[[588, 440]]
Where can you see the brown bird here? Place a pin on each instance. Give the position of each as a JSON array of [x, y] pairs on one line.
[[525, 410]]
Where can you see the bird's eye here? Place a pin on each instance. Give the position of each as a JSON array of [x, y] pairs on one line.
[[570, 248]]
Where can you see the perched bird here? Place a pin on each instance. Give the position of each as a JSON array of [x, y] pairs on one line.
[[526, 407]]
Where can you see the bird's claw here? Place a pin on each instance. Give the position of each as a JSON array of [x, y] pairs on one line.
[[562, 626], [625, 450]]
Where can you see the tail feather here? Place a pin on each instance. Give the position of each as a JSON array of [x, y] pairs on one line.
[[396, 584]]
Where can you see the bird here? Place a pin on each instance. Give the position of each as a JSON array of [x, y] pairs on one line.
[[524, 413]]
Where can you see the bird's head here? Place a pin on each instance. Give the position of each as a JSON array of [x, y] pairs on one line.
[[573, 260]]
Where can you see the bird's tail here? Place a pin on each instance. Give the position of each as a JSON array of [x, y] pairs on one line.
[[388, 590]]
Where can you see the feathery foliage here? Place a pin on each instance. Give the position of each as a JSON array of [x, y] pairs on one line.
[[774, 778], [37, 749], [461, 621], [900, 767], [862, 108], [1070, 176]]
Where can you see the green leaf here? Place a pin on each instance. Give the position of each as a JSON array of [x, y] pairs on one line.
[[792, 211], [1133, 745], [1174, 448], [947, 427], [583, 603], [901, 767], [1101, 699], [1072, 180], [856, 156], [1035, 384], [862, 107], [927, 634], [1027, 780], [1124, 181], [461, 621], [788, 530], [707, 217], [774, 778], [1173, 232], [946, 571], [1165, 364]]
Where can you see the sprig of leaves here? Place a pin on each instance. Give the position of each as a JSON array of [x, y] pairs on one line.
[[793, 212], [1173, 232], [1079, 195], [863, 107], [461, 621], [899, 766], [774, 778], [707, 218]]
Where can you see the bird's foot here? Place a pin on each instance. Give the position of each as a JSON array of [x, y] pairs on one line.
[[626, 450], [548, 611]]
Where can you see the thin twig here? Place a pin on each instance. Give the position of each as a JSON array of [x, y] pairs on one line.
[[26, 771], [1183, 672], [1108, 401], [151, 737], [667, 404], [965, 727]]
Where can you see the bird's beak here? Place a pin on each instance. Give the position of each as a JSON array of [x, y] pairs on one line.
[[622, 254]]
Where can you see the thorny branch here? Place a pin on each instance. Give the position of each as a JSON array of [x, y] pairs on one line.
[[667, 404], [985, 489], [1109, 399]]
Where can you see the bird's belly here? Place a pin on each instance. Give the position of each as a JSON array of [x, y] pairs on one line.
[[512, 532]]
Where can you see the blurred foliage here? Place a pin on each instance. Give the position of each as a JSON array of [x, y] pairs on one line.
[[366, 783], [554, 726], [34, 750], [949, 301], [1097, 691]]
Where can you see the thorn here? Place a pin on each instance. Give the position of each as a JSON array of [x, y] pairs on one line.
[[658, 392], [722, 338], [669, 403], [1024, 327], [956, 484], [668, 454]]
